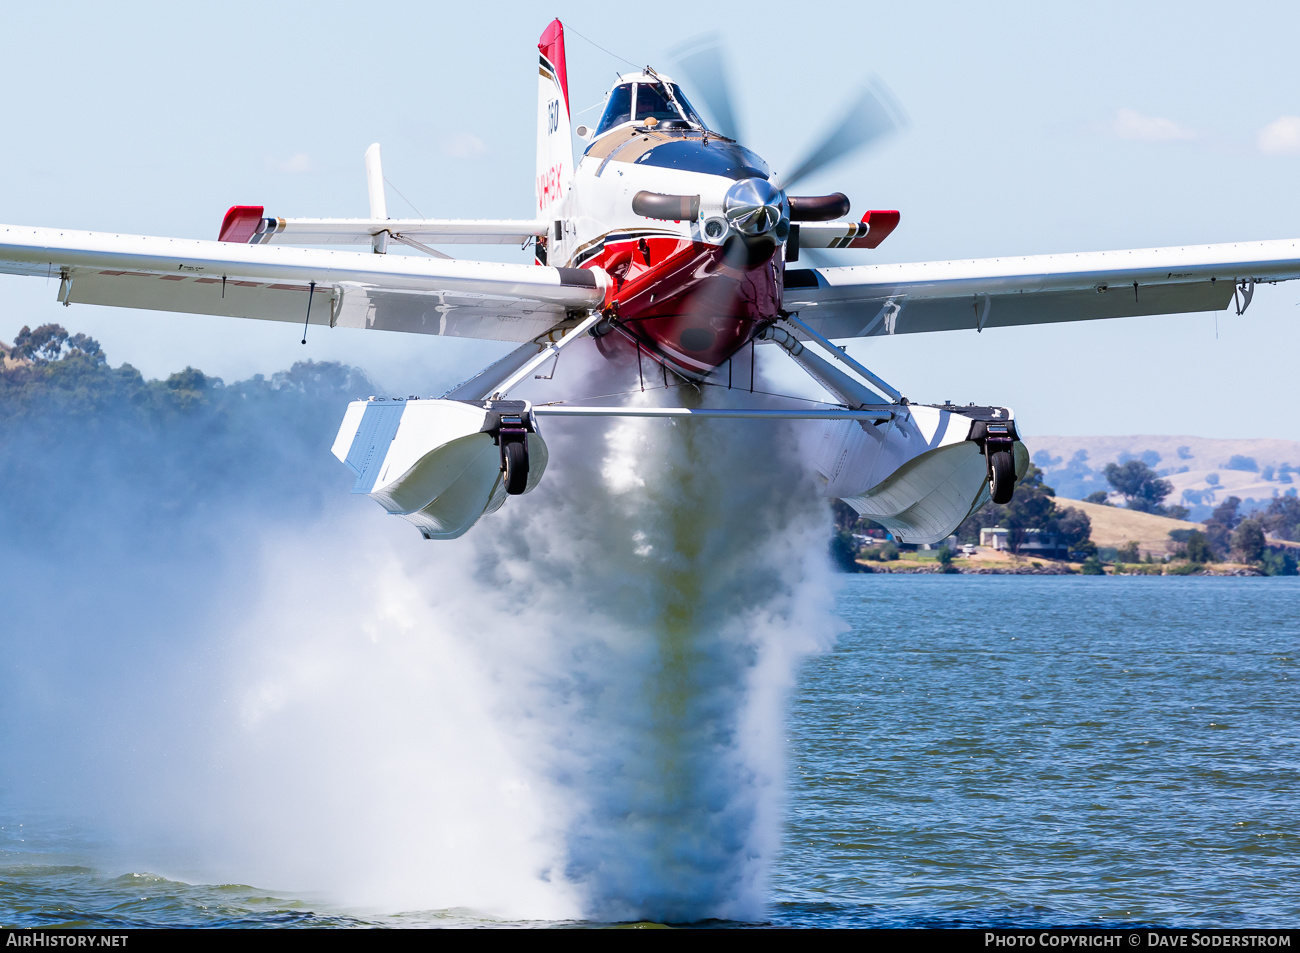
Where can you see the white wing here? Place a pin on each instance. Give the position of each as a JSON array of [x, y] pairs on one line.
[[868, 300], [486, 300]]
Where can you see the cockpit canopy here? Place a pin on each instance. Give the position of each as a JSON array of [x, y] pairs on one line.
[[639, 97]]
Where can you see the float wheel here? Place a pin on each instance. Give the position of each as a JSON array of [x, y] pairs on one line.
[[1002, 476], [515, 457]]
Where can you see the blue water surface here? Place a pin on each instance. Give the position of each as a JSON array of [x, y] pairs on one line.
[[978, 751], [1025, 751]]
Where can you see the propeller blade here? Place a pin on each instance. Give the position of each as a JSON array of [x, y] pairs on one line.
[[704, 64], [872, 116]]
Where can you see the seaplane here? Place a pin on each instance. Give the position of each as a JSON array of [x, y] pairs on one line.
[[669, 246]]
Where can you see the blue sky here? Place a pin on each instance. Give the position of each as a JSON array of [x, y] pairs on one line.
[[1033, 128]]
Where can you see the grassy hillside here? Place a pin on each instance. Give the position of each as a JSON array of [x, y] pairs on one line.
[[1113, 526]]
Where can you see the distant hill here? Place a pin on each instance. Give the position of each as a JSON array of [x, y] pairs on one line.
[[1113, 526], [1203, 470]]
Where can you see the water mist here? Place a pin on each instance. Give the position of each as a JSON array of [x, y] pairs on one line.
[[576, 710]]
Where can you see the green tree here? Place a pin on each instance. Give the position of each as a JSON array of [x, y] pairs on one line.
[[844, 551], [1092, 566], [1128, 553], [1278, 562], [1138, 483], [50, 342], [1281, 517], [1219, 527], [1228, 513], [846, 517], [1248, 541], [1198, 547], [1074, 528], [1033, 507]]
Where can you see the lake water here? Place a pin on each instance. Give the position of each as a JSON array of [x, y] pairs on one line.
[[977, 751]]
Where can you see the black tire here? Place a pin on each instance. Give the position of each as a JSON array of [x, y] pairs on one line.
[[1002, 476], [516, 457]]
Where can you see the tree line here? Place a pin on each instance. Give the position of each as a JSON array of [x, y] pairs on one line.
[[85, 446]]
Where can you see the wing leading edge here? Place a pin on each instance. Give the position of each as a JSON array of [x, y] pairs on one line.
[[485, 300], [870, 300]]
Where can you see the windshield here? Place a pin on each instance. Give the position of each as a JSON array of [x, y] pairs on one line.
[[651, 102], [618, 110]]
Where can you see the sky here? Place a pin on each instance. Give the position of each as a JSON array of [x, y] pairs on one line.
[[1033, 128]]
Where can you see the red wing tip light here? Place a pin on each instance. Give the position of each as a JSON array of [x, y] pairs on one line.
[[240, 223], [879, 224]]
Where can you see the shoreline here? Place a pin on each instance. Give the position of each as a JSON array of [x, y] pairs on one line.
[[1050, 568]]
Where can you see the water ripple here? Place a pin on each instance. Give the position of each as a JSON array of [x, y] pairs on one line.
[[1047, 751]]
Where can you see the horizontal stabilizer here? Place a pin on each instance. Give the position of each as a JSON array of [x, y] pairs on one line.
[[246, 223]]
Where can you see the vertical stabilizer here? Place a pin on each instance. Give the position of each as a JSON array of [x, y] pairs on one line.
[[554, 140]]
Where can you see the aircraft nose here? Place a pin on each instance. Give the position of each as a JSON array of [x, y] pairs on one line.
[[756, 207]]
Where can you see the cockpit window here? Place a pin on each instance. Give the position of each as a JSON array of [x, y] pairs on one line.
[[651, 102], [618, 110], [691, 114]]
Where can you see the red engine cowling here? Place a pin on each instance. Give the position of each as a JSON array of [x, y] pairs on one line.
[[691, 303]]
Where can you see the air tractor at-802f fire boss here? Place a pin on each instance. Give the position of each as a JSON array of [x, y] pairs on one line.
[[669, 247]]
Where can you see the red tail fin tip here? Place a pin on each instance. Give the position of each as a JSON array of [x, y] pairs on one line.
[[551, 46]]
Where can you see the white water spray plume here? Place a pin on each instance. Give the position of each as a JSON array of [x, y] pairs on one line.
[[574, 711]]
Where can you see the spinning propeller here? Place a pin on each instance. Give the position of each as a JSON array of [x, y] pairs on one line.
[[871, 116]]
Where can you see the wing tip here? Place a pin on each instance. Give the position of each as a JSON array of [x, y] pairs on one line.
[[240, 223], [880, 223]]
